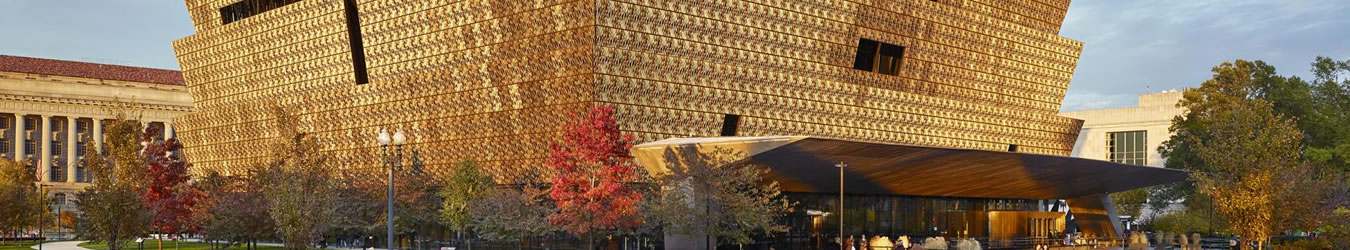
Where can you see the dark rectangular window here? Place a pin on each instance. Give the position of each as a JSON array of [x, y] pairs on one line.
[[354, 36], [888, 61], [729, 124], [1012, 147], [247, 8], [867, 51], [878, 57]]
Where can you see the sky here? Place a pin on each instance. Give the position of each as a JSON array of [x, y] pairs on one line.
[[1134, 46], [1130, 46], [125, 32]]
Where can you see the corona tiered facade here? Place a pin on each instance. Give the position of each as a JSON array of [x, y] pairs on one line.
[[495, 80]]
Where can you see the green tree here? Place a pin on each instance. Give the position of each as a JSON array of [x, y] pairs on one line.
[[710, 194], [114, 209], [297, 183], [1183, 221], [467, 184], [22, 203], [1328, 125], [1131, 202]]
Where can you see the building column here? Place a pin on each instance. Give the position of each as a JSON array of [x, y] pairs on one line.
[[98, 134], [45, 150], [71, 159], [18, 137], [168, 130]]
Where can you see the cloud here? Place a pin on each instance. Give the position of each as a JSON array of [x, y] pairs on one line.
[[1086, 101], [1166, 44]]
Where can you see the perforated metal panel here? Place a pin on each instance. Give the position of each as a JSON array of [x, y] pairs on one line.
[[495, 80]]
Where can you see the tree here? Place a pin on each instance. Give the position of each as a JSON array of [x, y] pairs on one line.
[[233, 209], [467, 184], [1130, 203], [22, 203], [711, 194], [593, 172], [1251, 147], [1317, 109], [167, 193], [1328, 126], [297, 183], [362, 210], [114, 209], [507, 214], [416, 199]]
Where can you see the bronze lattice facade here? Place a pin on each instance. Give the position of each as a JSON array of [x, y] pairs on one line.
[[494, 80]]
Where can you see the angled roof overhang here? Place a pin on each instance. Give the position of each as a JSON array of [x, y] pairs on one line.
[[806, 164]]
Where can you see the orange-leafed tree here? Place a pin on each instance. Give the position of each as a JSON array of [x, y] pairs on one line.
[[594, 173]]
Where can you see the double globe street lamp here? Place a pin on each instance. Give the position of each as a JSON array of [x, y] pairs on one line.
[[391, 163]]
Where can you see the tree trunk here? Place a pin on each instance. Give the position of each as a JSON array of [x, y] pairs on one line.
[[590, 241]]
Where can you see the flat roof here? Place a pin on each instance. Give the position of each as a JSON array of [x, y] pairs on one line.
[[807, 164]]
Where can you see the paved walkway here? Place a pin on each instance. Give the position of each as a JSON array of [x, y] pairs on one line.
[[62, 245]]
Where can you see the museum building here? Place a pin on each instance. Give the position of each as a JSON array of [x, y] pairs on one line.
[[49, 108], [945, 111]]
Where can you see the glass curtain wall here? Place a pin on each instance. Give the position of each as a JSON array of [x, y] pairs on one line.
[[815, 223]]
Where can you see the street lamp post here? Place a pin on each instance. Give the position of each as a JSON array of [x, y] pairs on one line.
[[42, 230], [841, 167], [391, 163]]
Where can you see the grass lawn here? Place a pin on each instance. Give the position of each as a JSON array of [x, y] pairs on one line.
[[154, 244], [18, 245]]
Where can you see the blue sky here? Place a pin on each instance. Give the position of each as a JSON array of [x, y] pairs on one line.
[[1130, 46]]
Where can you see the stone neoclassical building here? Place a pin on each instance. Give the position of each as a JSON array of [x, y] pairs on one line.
[[48, 108]]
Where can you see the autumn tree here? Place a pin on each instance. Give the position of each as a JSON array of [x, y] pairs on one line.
[[594, 171], [710, 193], [361, 211], [508, 214], [417, 202], [21, 203], [297, 183], [232, 209], [1250, 149], [114, 209], [466, 185], [1313, 110], [167, 193]]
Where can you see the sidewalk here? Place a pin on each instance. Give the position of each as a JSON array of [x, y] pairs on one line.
[[61, 245]]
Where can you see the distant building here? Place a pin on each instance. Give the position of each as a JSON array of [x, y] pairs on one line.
[[1129, 135], [48, 109]]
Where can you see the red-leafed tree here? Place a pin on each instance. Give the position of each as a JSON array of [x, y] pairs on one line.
[[594, 172], [167, 194]]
